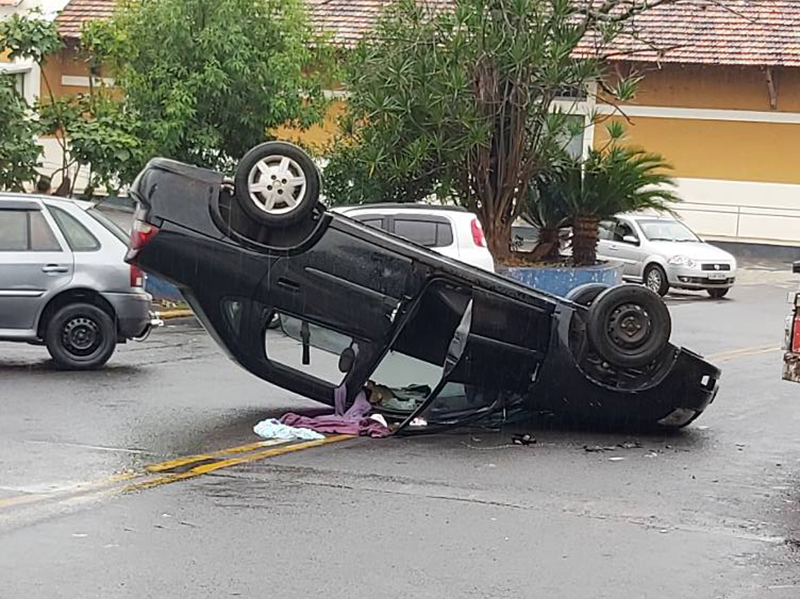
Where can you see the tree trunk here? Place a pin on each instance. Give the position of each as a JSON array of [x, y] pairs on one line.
[[584, 240], [498, 240], [547, 246]]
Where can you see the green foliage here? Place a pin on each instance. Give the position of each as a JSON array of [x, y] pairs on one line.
[[19, 152], [29, 37], [618, 179], [457, 103], [92, 129], [612, 180], [104, 137], [207, 79]]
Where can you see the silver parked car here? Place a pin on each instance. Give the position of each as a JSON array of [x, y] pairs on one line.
[[63, 281], [662, 252]]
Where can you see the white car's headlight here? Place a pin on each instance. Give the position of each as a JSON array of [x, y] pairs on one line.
[[682, 261]]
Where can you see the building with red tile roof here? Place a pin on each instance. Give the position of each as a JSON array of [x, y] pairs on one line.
[[720, 99]]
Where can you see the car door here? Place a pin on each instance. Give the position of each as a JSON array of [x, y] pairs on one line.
[[35, 263], [626, 247], [605, 239]]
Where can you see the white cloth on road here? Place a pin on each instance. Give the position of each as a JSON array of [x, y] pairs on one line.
[[273, 429]]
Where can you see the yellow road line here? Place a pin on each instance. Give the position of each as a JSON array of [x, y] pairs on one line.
[[176, 463], [206, 468], [742, 353], [34, 497], [175, 313], [283, 447]]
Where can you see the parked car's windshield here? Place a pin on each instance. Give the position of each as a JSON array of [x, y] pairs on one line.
[[109, 224], [660, 230]]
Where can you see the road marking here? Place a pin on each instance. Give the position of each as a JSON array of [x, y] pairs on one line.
[[90, 489], [213, 466], [742, 353], [76, 490], [178, 462]]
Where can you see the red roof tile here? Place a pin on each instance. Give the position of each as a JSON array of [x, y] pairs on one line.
[[71, 19], [734, 32]]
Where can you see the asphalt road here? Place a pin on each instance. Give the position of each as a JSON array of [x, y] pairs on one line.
[[709, 513]]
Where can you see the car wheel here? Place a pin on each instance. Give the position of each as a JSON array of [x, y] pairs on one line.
[[718, 293], [655, 279], [80, 337], [277, 184], [585, 294], [629, 326]]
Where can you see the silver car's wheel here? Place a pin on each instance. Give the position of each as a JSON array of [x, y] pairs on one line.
[[655, 279], [277, 185]]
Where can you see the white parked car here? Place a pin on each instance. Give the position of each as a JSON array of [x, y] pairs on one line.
[[662, 252], [449, 230]]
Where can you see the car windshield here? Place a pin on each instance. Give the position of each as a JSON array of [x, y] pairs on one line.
[[109, 224], [667, 230]]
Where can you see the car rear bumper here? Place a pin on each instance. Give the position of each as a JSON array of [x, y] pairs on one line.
[[133, 312]]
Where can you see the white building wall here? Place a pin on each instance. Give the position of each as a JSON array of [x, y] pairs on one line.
[[741, 211]]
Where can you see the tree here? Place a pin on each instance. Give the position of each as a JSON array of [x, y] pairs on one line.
[[19, 152], [612, 180], [207, 79], [91, 129], [458, 102]]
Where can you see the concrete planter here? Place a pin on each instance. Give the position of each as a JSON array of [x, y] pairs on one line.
[[560, 280], [161, 290]]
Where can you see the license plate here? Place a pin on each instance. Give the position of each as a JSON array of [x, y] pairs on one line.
[[717, 276]]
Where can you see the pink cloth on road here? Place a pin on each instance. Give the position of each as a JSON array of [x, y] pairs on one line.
[[354, 421]]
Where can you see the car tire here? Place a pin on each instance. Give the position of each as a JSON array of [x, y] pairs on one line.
[[655, 279], [629, 326], [80, 337], [718, 293], [585, 294], [277, 184]]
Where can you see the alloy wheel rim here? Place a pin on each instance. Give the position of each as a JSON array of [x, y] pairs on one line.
[[277, 185], [654, 280]]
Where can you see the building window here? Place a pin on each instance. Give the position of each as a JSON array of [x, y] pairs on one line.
[[19, 83]]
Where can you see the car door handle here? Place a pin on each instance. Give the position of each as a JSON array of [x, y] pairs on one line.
[[612, 248], [55, 268]]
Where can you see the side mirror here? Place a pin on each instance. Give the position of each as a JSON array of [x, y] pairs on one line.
[[630, 239], [796, 268]]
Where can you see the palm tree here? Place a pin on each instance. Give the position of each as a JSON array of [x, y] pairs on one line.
[[613, 180], [547, 210]]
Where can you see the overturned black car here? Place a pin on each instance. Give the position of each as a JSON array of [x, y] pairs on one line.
[[310, 300]]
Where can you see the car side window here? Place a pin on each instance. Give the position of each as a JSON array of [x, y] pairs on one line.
[[376, 222], [623, 230], [78, 236], [426, 233], [13, 230], [605, 230], [42, 238], [26, 231]]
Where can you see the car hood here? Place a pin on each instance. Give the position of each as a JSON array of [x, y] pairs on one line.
[[695, 250]]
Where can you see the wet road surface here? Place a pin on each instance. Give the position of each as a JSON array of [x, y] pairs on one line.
[[711, 512]]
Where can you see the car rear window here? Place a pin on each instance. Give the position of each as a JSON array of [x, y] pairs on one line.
[[427, 233], [78, 236], [109, 225]]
